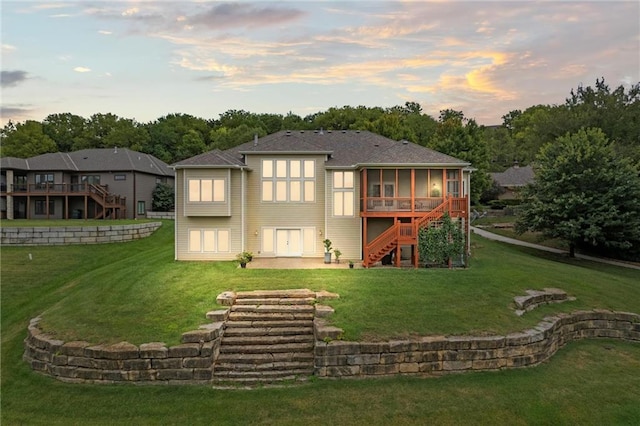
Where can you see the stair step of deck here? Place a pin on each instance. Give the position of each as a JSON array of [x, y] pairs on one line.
[[275, 366], [267, 331], [268, 324], [276, 301], [276, 294], [267, 340], [293, 309], [274, 348], [270, 316], [265, 358]]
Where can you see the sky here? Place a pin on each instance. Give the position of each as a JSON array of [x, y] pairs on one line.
[[145, 59]]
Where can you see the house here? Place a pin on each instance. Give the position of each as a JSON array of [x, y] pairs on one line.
[[91, 183], [512, 180], [283, 194]]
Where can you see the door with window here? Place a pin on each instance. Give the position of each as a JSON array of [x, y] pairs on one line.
[[288, 242]]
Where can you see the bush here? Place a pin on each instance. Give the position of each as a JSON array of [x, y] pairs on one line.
[[163, 198]]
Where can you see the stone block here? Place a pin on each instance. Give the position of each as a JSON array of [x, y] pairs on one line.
[[392, 358], [363, 359], [488, 364], [80, 361], [409, 367], [343, 371], [379, 369], [196, 362], [115, 375], [429, 367], [154, 350], [488, 342], [432, 343], [63, 371], [374, 347], [141, 375], [121, 350], [333, 360], [75, 348], [456, 365], [175, 374], [339, 347], [403, 346], [59, 359], [323, 311], [88, 374], [105, 364], [226, 298], [169, 363], [202, 374], [184, 350], [219, 315], [199, 336], [136, 364]]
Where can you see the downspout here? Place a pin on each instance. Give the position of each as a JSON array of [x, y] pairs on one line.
[[242, 207], [135, 198]]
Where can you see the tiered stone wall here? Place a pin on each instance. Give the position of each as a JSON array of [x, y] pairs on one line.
[[60, 235], [535, 298], [81, 362], [161, 215], [436, 355], [192, 361]]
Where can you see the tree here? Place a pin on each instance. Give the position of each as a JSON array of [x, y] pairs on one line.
[[26, 140], [66, 130], [163, 198], [585, 194]]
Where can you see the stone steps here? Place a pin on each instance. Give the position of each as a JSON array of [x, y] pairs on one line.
[[268, 337]]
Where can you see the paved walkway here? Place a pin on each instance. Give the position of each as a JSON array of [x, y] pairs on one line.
[[496, 237]]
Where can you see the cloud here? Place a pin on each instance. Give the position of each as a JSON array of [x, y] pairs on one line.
[[82, 69], [13, 78], [104, 32], [7, 48], [245, 15]]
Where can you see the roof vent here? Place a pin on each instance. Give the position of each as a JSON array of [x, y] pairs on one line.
[[288, 133], [321, 131], [115, 149], [301, 131], [344, 131], [404, 142], [255, 139], [357, 131]]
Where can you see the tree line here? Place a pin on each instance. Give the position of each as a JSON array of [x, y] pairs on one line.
[[519, 138]]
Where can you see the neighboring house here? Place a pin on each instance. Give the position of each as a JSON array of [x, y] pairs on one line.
[[283, 194], [512, 180], [111, 183]]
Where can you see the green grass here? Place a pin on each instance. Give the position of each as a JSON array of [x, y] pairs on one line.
[[136, 292]]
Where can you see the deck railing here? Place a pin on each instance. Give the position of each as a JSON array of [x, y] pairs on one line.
[[405, 204], [100, 192]]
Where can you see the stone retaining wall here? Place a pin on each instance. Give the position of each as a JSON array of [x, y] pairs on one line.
[[61, 235], [81, 362], [192, 361], [161, 215], [435, 355]]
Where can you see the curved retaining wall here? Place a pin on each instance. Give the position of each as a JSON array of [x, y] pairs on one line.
[[61, 235], [192, 361], [161, 215]]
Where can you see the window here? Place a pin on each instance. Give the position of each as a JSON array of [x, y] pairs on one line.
[[288, 181], [91, 179], [41, 206], [343, 194], [141, 207], [119, 177], [453, 184], [43, 180], [209, 240], [207, 190]]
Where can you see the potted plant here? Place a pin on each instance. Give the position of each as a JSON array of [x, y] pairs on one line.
[[244, 258], [327, 250], [350, 264], [338, 253]]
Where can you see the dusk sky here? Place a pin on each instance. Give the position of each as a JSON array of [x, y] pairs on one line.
[[146, 59]]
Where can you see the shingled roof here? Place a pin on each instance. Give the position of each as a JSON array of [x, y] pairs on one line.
[[92, 160], [514, 176], [345, 148]]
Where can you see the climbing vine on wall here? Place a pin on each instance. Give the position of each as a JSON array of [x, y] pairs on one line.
[[441, 244]]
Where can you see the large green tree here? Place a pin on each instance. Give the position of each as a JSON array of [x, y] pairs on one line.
[[585, 194], [26, 140]]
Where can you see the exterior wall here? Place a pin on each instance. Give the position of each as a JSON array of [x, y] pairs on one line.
[[345, 233], [262, 215], [233, 223]]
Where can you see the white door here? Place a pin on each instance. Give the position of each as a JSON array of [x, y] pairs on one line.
[[288, 242]]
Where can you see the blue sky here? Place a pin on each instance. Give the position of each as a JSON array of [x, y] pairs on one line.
[[146, 59]]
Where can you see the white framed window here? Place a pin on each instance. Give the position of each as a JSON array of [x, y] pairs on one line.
[[207, 190], [453, 183], [209, 240], [288, 181], [343, 193]]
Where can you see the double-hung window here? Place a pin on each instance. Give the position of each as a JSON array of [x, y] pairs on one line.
[[289, 181], [207, 191], [343, 193]]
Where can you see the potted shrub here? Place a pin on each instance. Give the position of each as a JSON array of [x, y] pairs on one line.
[[351, 264], [244, 258], [327, 250], [338, 253]]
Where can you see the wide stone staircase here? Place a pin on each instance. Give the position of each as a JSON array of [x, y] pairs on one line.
[[268, 338]]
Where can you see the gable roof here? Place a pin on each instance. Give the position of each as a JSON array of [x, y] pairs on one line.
[[215, 158], [514, 176], [344, 148], [92, 160]]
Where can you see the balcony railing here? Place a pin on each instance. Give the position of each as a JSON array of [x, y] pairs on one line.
[[55, 188], [405, 204]]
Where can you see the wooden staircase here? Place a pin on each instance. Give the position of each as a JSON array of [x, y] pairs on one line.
[[268, 338], [113, 205], [401, 233]]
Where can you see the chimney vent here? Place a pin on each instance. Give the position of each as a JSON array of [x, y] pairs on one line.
[[255, 139]]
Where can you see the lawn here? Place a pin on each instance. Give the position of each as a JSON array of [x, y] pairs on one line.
[[136, 292]]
